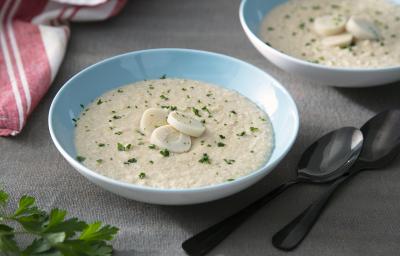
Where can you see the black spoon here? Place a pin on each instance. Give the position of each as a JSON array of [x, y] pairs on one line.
[[325, 160], [381, 145]]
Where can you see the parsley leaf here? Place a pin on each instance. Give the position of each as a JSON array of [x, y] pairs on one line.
[[51, 233]]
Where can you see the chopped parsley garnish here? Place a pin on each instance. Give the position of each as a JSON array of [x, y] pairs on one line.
[[152, 146], [151, 161], [142, 175], [196, 111], [82, 106], [141, 133], [222, 136], [302, 25], [116, 117], [184, 89], [163, 76], [206, 109], [99, 161], [203, 121], [118, 133], [220, 144], [233, 112], [229, 161], [241, 134], [99, 102], [205, 159], [121, 147], [120, 91], [162, 96], [263, 119], [131, 161], [254, 129], [170, 107], [164, 152], [271, 29], [80, 158], [101, 145], [229, 180]]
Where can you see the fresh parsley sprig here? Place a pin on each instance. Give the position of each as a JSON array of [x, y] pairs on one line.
[[52, 234]]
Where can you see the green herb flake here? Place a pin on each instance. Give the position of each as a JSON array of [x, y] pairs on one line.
[[99, 102], [151, 161], [120, 90], [142, 175], [196, 111], [117, 117], [99, 161], [162, 96], [118, 133], [302, 25], [141, 133], [254, 129], [221, 144], [229, 161], [241, 134], [121, 147], [101, 145], [270, 29], [80, 158], [163, 76], [131, 161], [222, 136], [152, 146], [229, 180], [164, 152], [233, 112], [205, 159], [82, 106]]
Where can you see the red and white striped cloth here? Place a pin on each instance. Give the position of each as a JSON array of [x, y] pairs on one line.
[[33, 39]]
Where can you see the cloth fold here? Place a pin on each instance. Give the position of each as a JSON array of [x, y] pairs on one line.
[[33, 40]]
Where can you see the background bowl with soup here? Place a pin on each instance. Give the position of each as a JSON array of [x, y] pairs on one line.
[[252, 14]]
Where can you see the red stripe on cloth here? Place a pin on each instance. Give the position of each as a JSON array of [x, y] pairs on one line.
[[7, 32], [117, 8], [29, 9], [73, 13], [9, 114], [34, 59], [9, 122]]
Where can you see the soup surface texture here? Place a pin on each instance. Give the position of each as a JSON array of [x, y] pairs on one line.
[[290, 28], [238, 137]]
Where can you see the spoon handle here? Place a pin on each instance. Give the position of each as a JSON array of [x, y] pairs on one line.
[[207, 239], [289, 237]]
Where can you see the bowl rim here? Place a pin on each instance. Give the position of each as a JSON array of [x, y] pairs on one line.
[[304, 62], [142, 188]]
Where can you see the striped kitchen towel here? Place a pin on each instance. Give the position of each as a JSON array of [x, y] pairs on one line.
[[33, 39]]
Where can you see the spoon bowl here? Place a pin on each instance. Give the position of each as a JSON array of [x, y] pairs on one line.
[[331, 156], [382, 140]]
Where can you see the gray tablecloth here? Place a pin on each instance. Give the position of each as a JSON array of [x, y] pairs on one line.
[[362, 219]]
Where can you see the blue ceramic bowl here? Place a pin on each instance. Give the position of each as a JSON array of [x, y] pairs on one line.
[[251, 15], [209, 67]]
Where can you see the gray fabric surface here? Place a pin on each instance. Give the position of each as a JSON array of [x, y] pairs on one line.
[[362, 219]]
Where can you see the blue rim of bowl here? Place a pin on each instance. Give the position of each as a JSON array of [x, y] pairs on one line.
[[106, 179], [303, 62]]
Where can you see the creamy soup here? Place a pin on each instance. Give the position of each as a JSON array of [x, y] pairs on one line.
[[129, 134], [343, 33]]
